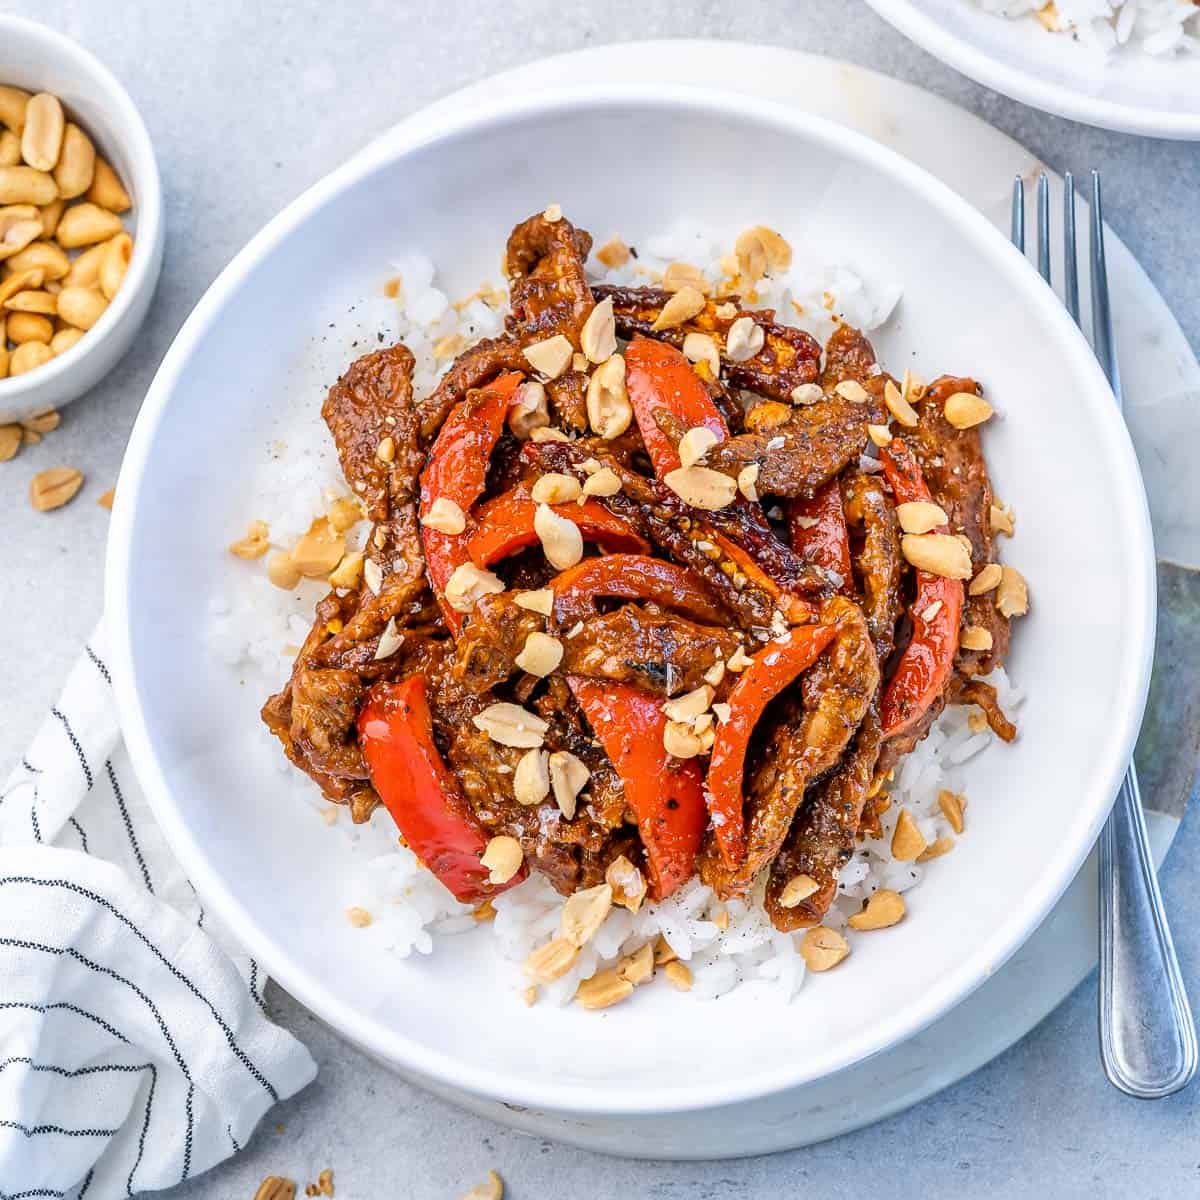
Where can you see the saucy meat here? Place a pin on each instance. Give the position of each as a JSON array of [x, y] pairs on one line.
[[596, 641], [789, 357], [821, 839], [954, 467], [796, 455]]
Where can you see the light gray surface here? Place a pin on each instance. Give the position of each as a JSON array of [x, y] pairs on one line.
[[247, 105]]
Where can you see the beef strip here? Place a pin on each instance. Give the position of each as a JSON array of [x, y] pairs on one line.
[[954, 468], [796, 455], [373, 400], [319, 725], [789, 356], [822, 836], [549, 295], [818, 440], [627, 449], [686, 534], [727, 403], [953, 465], [324, 709], [798, 751], [570, 853], [975, 691], [848, 355], [548, 289], [637, 644], [314, 716], [605, 793], [493, 636], [568, 401], [878, 562], [644, 646], [476, 366], [895, 748]]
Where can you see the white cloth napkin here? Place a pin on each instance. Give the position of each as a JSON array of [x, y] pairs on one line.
[[134, 1048]]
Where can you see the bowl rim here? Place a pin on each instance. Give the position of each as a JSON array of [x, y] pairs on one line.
[[1027, 87], [147, 185], [1019, 921]]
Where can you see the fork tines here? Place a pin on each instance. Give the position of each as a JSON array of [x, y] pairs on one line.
[[1103, 342]]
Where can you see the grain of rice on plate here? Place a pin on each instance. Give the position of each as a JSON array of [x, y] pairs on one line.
[[612, 936], [1162, 28]]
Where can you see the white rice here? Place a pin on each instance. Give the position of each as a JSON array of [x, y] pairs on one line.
[[256, 627], [1161, 28]]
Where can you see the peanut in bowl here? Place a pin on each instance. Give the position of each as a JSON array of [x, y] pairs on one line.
[[80, 220]]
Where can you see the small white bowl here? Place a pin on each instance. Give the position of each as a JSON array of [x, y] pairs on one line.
[[39, 59]]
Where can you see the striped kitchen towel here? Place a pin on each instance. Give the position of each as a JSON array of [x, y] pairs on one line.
[[135, 1051]]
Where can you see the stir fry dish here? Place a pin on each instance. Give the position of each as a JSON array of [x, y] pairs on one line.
[[651, 576]]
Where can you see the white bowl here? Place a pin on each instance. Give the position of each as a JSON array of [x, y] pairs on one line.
[[250, 365], [1131, 92], [36, 58]]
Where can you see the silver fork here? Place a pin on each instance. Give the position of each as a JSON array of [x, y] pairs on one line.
[[1147, 1036]]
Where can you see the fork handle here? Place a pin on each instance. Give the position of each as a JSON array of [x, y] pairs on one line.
[[1147, 1036]]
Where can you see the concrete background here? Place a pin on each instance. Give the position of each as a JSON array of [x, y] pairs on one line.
[[248, 104]]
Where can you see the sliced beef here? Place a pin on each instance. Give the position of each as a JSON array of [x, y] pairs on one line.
[[494, 634], [325, 707], [547, 286], [642, 645], [549, 295], [823, 834], [605, 794], [878, 562], [570, 853], [318, 724], [371, 401], [975, 691], [688, 536], [895, 748], [798, 454], [789, 357], [476, 366], [627, 450], [315, 714], [848, 355], [568, 401], [953, 464], [375, 395]]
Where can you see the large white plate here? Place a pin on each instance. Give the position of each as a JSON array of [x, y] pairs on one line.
[[232, 382], [1161, 379], [1130, 91]]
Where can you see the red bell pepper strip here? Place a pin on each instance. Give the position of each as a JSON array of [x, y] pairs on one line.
[[457, 471], [658, 376], [817, 528], [395, 731], [771, 670], [632, 577], [924, 668], [666, 794], [505, 525]]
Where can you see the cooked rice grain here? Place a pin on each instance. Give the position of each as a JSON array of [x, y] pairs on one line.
[[1161, 28]]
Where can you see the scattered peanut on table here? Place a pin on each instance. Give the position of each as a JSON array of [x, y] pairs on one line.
[[58, 198]]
